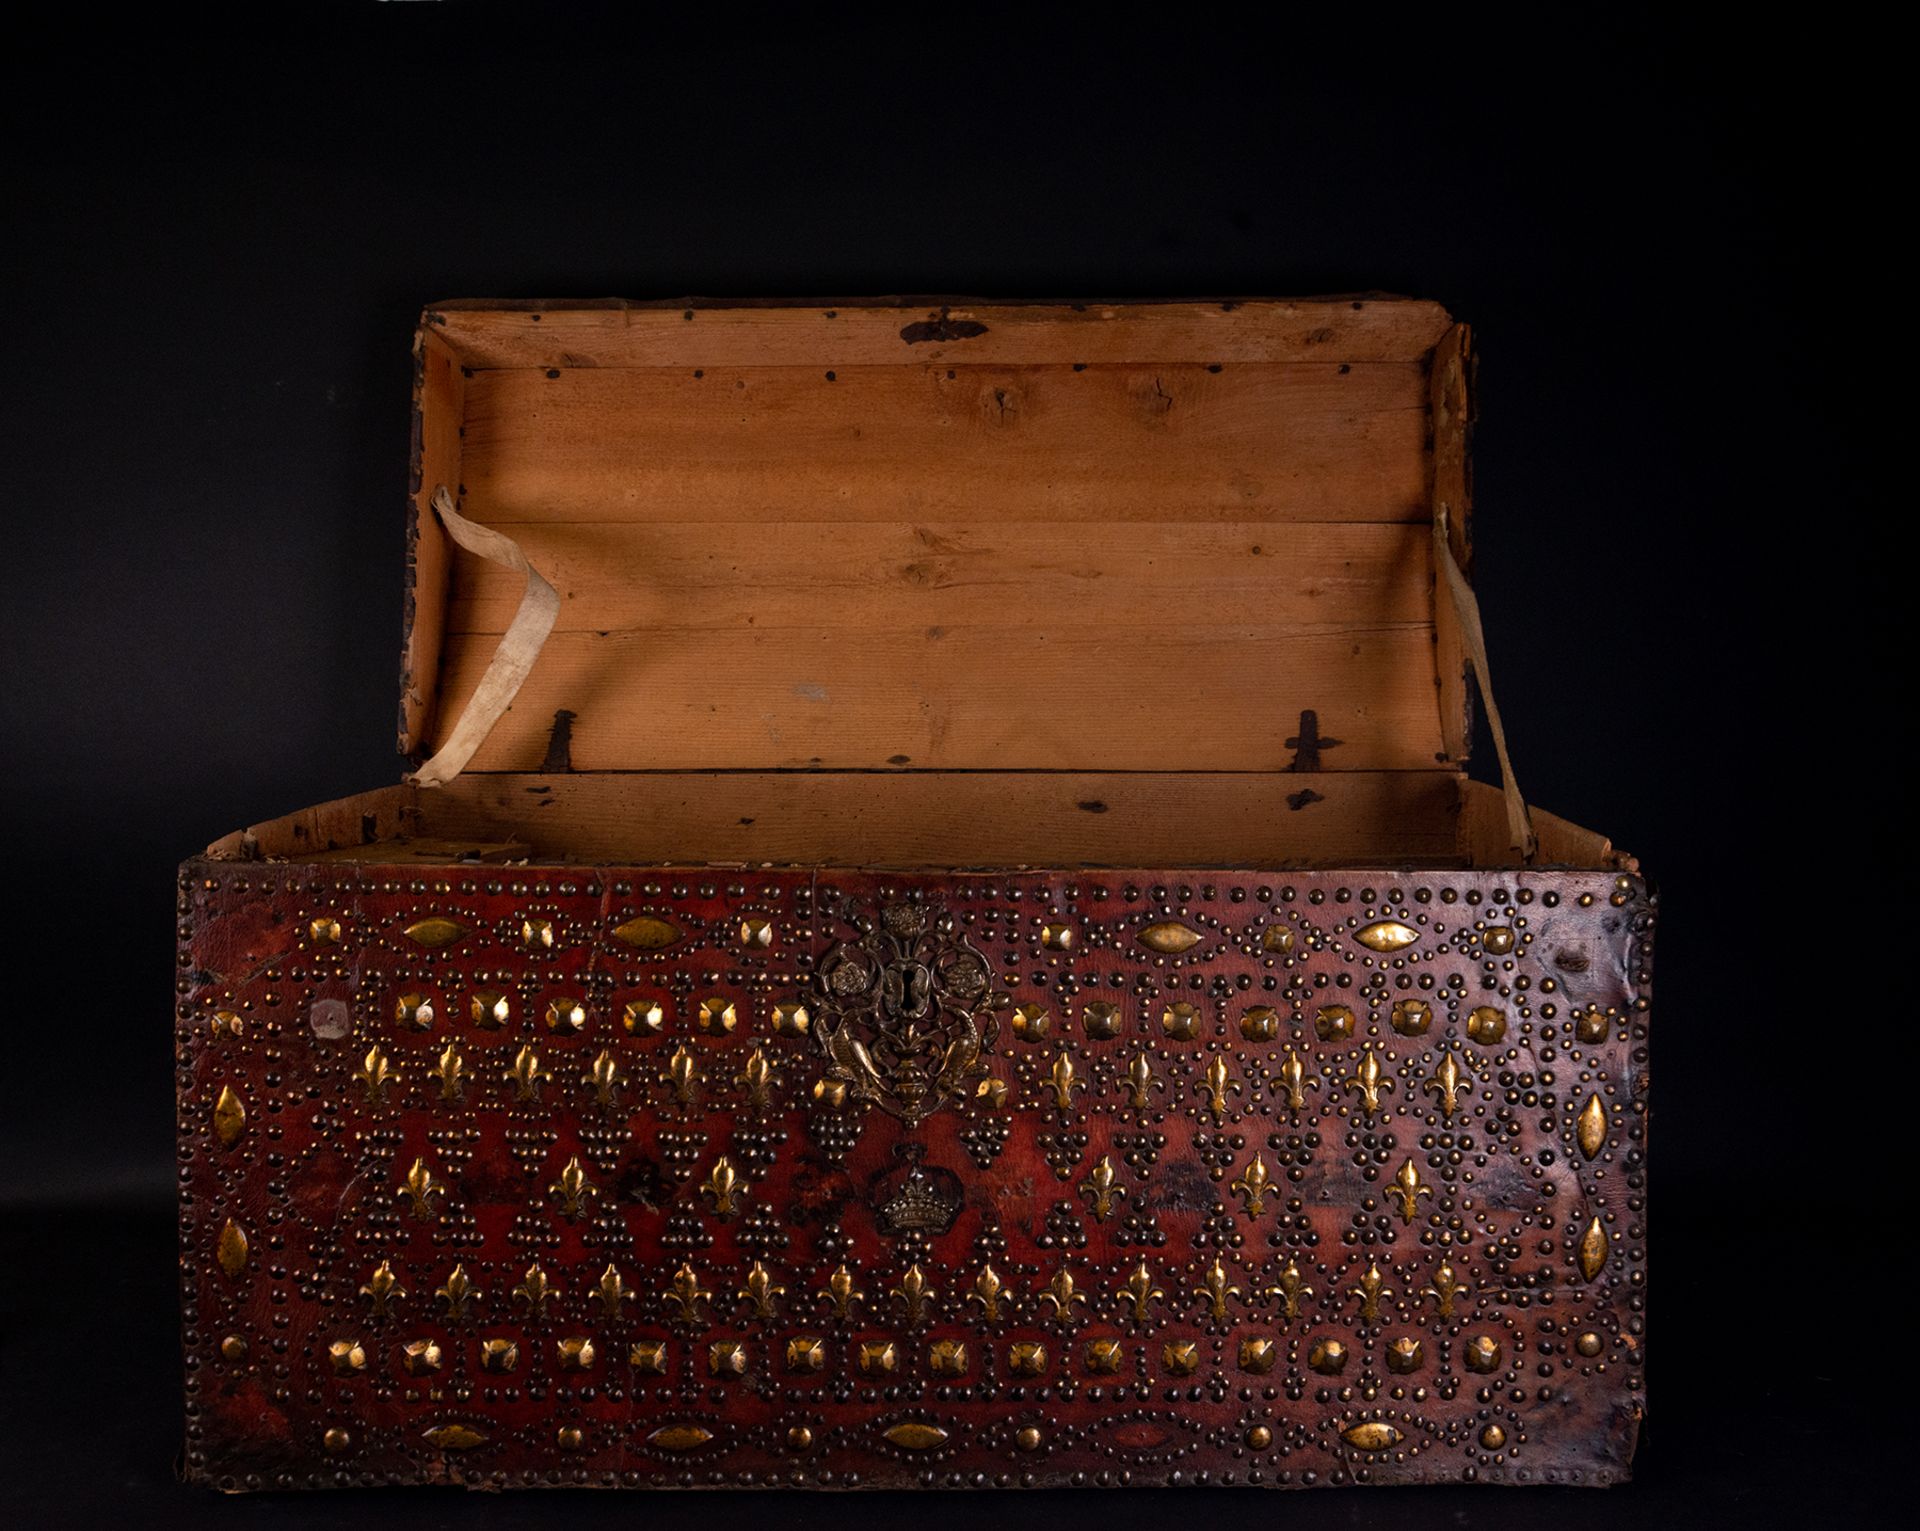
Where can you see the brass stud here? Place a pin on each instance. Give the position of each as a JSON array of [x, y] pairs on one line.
[[756, 935], [792, 1020], [915, 1435], [949, 1358], [566, 1014], [1170, 938], [230, 1117], [324, 931], [1180, 1021], [643, 1015], [1181, 1358], [1593, 1250], [227, 1024], [1031, 1022], [1589, 1344], [454, 1437], [336, 1441], [727, 1358], [570, 1438], [1334, 1023], [830, 1093], [420, 1358], [489, 1008], [1056, 938], [415, 1011], [806, 1353], [1258, 1355], [1027, 1358], [577, 1354], [1260, 1437], [1487, 1025], [1405, 1354], [1276, 939], [1104, 1356], [499, 1355], [434, 931], [231, 1249], [1387, 936], [680, 1437], [1261, 1023], [648, 933], [1029, 1438], [1493, 1437], [1481, 1353], [1371, 1435], [1100, 1020], [1411, 1017], [1497, 939], [1328, 1357], [799, 1438], [1591, 1130], [716, 1015], [233, 1348], [1592, 1025], [536, 935], [347, 1357], [648, 1357], [877, 1358]]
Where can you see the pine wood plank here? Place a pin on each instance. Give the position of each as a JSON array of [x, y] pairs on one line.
[[697, 333], [439, 408], [1150, 690], [943, 819], [846, 575], [1140, 440], [1452, 405]]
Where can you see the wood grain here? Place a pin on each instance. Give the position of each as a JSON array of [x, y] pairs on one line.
[[1096, 689], [865, 333], [1292, 577], [439, 407], [1452, 405], [942, 819], [1153, 442]]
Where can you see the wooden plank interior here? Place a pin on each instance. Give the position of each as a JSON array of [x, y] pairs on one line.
[[439, 410], [1149, 441], [380, 817], [1484, 835], [931, 818], [1452, 404], [864, 332]]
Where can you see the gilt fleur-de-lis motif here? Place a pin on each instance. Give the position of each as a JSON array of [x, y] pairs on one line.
[[1293, 1079], [757, 1079], [603, 1079], [573, 1189], [451, 1071], [1214, 1288], [989, 1291], [1140, 1292], [534, 1290], [1140, 1081], [419, 1188], [840, 1293], [525, 1074], [724, 1185], [686, 1294], [1252, 1184], [375, 1074], [1063, 1294], [1446, 1290], [1409, 1188], [1100, 1189], [611, 1290], [1371, 1288], [382, 1288], [456, 1292], [760, 1291], [683, 1074], [1065, 1081], [1217, 1085], [1445, 1085], [1290, 1287], [914, 1291], [1367, 1081]]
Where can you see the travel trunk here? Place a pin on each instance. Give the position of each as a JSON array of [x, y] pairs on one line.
[[970, 957]]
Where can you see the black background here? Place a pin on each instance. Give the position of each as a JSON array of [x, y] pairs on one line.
[[1666, 239]]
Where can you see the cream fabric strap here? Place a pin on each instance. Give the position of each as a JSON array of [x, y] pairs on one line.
[[511, 662], [1467, 609]]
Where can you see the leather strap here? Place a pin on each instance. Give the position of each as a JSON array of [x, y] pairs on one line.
[[1466, 608], [511, 662]]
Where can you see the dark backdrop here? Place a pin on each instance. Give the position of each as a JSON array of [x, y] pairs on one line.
[[220, 243]]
